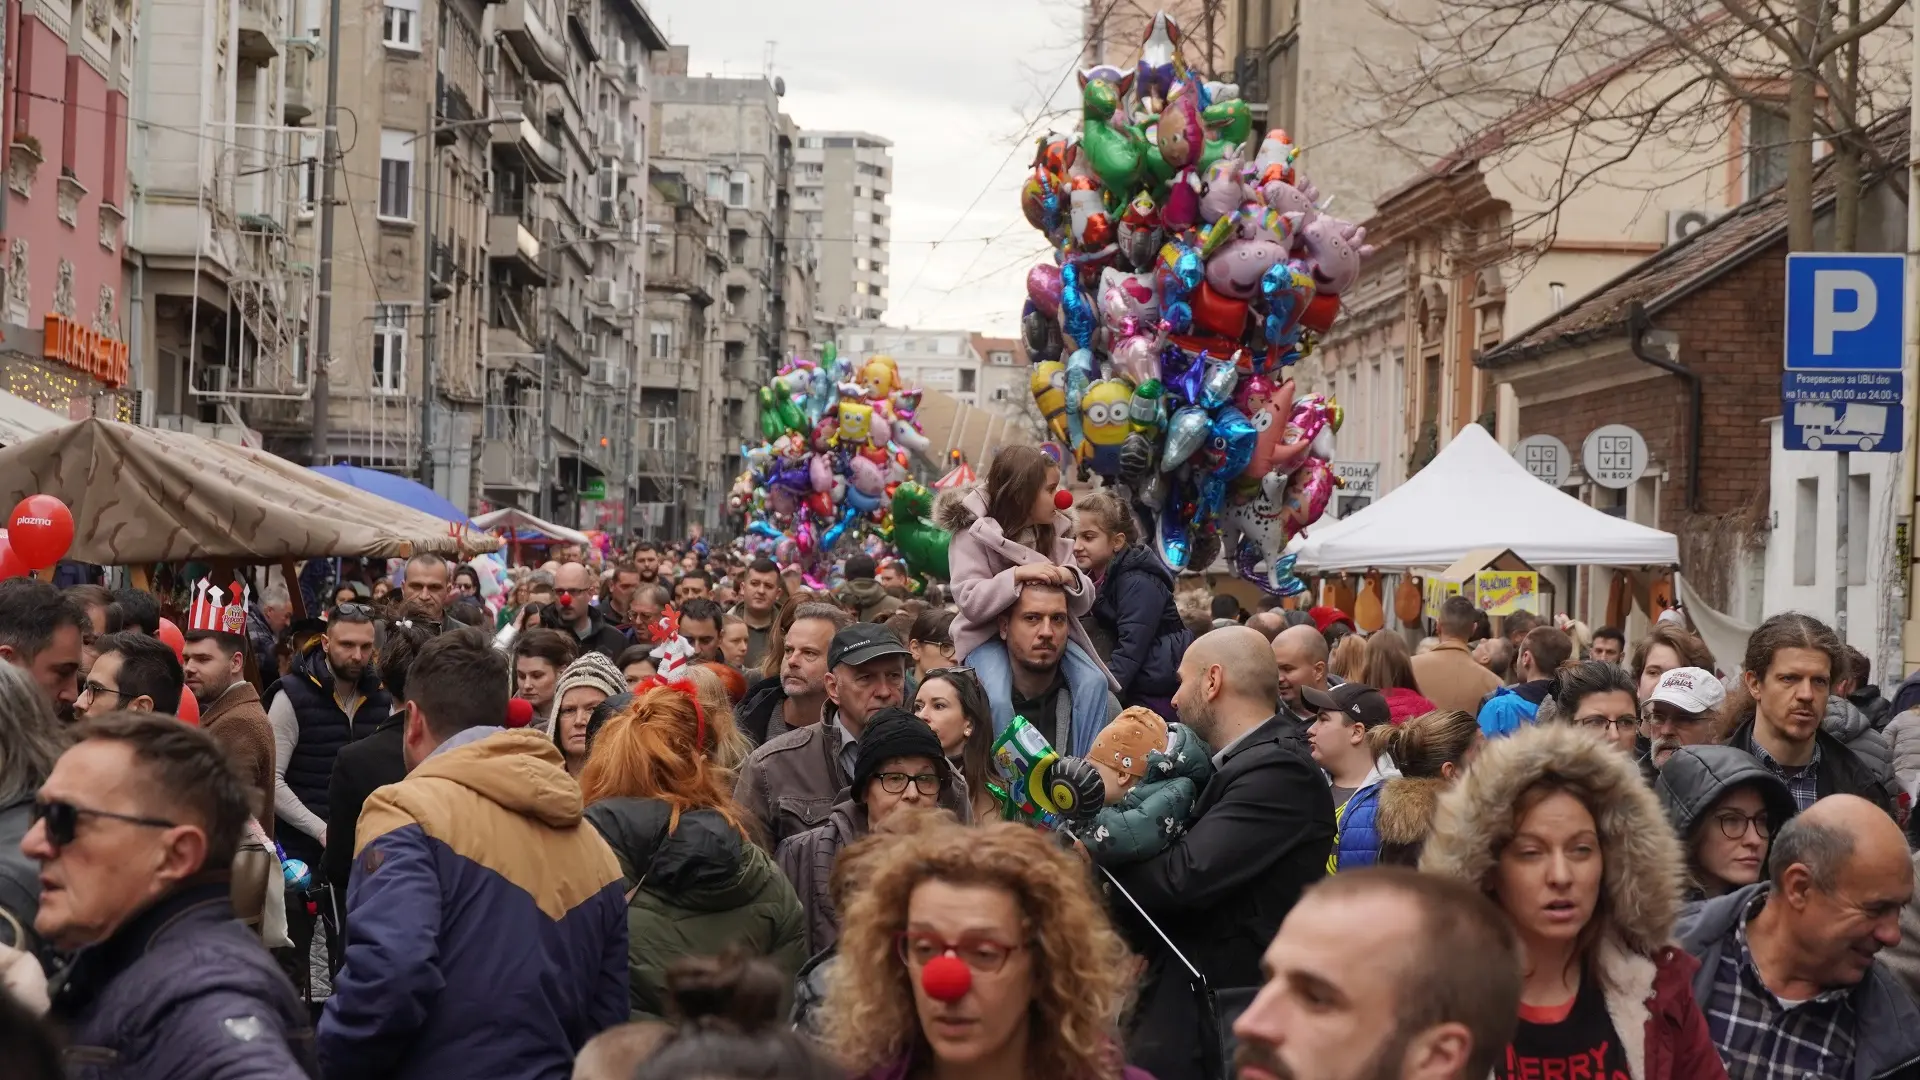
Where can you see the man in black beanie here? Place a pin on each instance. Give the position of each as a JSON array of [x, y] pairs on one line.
[[898, 765]]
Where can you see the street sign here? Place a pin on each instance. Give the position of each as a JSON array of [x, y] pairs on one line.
[[1844, 311], [593, 490], [1359, 478], [1845, 328], [1614, 456], [1546, 458]]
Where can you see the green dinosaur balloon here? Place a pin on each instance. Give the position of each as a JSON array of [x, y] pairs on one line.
[[1115, 150], [769, 415], [923, 543]]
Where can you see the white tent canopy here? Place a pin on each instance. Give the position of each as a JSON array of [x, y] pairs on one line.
[[516, 520], [1473, 495]]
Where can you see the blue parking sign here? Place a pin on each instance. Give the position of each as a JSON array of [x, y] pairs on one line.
[[1844, 311]]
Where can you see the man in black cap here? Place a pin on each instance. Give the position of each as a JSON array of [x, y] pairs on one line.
[[1338, 737], [792, 782], [899, 765]]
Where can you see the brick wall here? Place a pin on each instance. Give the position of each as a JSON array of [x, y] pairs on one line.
[[1730, 333]]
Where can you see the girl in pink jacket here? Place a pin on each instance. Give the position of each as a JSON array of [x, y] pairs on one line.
[[1008, 535]]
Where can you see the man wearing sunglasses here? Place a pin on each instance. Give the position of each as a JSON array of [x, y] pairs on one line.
[[134, 832]]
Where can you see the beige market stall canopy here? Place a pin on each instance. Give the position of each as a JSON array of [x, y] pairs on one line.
[[952, 424], [145, 495]]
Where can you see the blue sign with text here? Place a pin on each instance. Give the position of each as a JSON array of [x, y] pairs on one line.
[[1844, 311]]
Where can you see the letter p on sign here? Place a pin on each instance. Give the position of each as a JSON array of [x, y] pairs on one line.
[[1829, 317]]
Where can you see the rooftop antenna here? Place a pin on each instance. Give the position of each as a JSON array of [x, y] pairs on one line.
[[772, 46]]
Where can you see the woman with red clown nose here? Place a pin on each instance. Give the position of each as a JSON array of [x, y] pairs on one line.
[[978, 954]]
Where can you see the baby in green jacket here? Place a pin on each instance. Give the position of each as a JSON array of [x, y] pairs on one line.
[[1153, 772]]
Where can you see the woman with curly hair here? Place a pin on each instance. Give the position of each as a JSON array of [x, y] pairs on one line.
[[1556, 826], [978, 954], [696, 884]]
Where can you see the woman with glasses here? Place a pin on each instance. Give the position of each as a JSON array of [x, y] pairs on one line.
[[1600, 696], [978, 954], [1725, 807], [953, 703], [1556, 827], [898, 765]]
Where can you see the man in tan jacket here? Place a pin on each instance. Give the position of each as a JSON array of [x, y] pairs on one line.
[[1448, 675]]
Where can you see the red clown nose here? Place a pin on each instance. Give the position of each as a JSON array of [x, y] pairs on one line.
[[1063, 499], [946, 978]]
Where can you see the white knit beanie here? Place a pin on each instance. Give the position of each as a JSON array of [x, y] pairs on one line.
[[592, 669]]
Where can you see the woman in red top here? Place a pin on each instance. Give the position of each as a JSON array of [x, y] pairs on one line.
[[1563, 835], [1390, 667]]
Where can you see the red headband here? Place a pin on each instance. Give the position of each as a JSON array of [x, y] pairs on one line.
[[685, 687]]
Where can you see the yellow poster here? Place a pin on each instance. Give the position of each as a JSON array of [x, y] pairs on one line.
[[1504, 592], [1438, 590]]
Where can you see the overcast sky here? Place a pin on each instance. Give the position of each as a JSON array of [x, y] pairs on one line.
[[952, 85]]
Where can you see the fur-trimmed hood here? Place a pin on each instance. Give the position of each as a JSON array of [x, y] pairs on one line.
[[957, 508], [1644, 868], [1407, 805]]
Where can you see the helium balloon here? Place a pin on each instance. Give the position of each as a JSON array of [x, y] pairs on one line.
[[189, 712], [175, 640], [11, 565], [1185, 432], [40, 529]]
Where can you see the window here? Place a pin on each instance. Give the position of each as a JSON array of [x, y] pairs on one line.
[[716, 184], [1000, 359], [299, 359], [660, 433], [737, 190], [608, 183], [737, 245], [312, 17], [1806, 530], [396, 175], [1557, 295], [309, 167], [1766, 148], [660, 339], [400, 24], [389, 348], [968, 378]]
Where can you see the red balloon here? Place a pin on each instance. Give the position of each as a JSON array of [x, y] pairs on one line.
[[40, 530], [189, 707], [175, 640], [10, 564]]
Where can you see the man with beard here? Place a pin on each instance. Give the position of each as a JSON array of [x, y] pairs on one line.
[[1261, 832], [214, 666], [1790, 661], [616, 600], [1682, 711], [1035, 632], [646, 563], [41, 633], [430, 582], [796, 698], [1384, 974]]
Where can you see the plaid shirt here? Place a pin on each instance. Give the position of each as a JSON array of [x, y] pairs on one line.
[[1802, 781], [1762, 1037]]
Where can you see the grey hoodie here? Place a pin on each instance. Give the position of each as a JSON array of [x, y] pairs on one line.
[[1695, 778]]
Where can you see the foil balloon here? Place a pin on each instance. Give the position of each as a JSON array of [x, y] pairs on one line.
[[1216, 385], [766, 529], [1146, 409], [1104, 423], [839, 528], [1076, 311], [1185, 432], [1043, 288], [856, 423], [1136, 457], [921, 542], [1287, 288], [1049, 385], [821, 503], [820, 473], [1081, 371], [867, 478]]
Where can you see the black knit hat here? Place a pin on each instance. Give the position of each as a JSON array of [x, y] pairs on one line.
[[891, 733]]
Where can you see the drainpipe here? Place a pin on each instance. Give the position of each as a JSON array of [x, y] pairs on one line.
[[1638, 327]]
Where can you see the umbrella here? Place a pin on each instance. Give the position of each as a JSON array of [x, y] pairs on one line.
[[396, 488], [962, 474]]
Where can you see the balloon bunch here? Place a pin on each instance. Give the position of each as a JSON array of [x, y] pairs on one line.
[[1191, 268], [836, 441]]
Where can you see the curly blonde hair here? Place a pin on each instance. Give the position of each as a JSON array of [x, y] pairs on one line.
[[1081, 969]]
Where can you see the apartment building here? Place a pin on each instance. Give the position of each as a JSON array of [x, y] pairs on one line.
[[943, 360], [842, 180], [723, 150], [69, 72]]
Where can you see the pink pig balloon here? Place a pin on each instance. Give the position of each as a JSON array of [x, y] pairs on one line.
[[1332, 250]]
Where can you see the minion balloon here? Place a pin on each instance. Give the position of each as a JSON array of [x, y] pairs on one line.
[[1049, 386], [1104, 422]]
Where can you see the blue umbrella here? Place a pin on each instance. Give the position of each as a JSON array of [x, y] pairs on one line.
[[399, 489]]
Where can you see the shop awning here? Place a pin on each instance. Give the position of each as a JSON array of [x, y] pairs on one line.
[[1475, 495], [406, 492], [146, 495], [525, 527]]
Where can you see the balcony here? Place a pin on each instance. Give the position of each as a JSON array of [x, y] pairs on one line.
[[300, 100], [517, 138], [669, 374], [510, 333], [512, 245], [539, 51], [260, 34]]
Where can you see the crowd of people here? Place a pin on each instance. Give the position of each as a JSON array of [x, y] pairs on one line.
[[682, 812]]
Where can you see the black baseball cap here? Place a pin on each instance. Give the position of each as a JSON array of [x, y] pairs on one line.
[[1361, 702], [863, 642]]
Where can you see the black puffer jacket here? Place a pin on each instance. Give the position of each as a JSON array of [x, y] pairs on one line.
[[1133, 610]]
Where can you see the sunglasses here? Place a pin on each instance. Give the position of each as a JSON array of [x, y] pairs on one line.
[[62, 819], [352, 611]]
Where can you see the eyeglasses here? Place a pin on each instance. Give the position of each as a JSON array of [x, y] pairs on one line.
[[94, 689], [893, 783], [1733, 824], [982, 954], [63, 819], [1602, 722]]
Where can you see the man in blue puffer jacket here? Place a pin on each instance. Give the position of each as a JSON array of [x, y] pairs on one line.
[[1348, 712]]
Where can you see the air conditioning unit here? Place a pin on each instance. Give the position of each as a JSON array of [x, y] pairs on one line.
[[620, 377], [621, 298], [211, 379], [597, 371], [1684, 223], [600, 290], [590, 344]]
